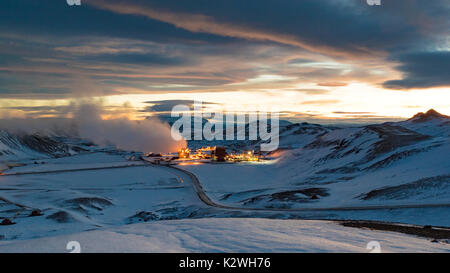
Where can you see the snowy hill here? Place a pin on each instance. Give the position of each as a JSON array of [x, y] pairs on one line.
[[291, 135], [26, 147], [296, 135], [430, 123], [404, 162], [236, 130], [321, 167]]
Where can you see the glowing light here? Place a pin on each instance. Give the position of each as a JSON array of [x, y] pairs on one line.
[[190, 163], [209, 153]]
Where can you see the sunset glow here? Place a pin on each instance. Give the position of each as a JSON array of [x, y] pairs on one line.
[[144, 60]]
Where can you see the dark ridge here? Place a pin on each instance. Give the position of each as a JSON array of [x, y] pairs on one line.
[[399, 156], [44, 144], [440, 183], [61, 217], [425, 231], [391, 138], [290, 196]]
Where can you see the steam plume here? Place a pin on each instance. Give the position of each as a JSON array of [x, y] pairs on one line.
[[150, 135]]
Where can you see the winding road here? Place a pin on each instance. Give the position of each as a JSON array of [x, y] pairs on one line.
[[207, 201], [184, 175]]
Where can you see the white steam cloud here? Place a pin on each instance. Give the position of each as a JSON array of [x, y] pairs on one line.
[[150, 135], [146, 135]]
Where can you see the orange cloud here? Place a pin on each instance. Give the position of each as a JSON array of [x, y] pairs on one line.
[[332, 84]]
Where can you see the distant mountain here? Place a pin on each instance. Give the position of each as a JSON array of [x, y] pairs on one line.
[[412, 156], [230, 144], [171, 120], [430, 115], [430, 123], [395, 162], [296, 135]]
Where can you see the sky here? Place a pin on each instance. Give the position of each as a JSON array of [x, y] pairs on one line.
[[324, 61]]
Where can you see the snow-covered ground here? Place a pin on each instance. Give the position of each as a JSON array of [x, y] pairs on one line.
[[101, 208], [229, 235], [79, 161], [81, 200], [237, 184], [403, 163], [229, 184], [389, 164]]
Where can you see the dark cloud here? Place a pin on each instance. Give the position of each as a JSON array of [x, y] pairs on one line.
[[48, 49], [56, 19], [167, 105], [9, 59], [422, 70], [350, 26], [40, 110], [137, 59]]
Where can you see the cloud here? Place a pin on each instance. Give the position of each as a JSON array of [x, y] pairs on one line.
[[332, 84], [312, 91], [51, 50], [290, 24], [352, 113], [330, 27], [51, 20], [197, 23], [167, 105], [422, 70], [149, 135], [136, 59], [320, 102]]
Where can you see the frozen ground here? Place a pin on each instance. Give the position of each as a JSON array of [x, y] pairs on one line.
[[229, 235], [390, 164], [106, 209], [373, 166], [230, 184], [79, 161], [81, 200]]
